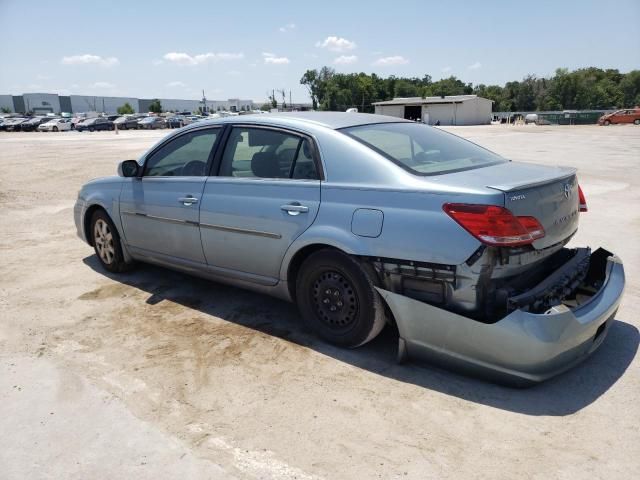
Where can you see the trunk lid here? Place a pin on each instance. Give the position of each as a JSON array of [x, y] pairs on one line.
[[550, 194]]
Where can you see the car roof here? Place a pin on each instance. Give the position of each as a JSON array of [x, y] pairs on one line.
[[333, 120]]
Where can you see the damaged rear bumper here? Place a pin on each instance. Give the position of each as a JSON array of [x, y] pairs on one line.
[[522, 348]]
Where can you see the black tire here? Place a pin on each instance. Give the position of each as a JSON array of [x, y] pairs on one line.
[[106, 243], [606, 123], [636, 121], [91, 129], [55, 129], [338, 300]]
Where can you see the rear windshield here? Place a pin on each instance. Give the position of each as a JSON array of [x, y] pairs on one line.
[[421, 149]]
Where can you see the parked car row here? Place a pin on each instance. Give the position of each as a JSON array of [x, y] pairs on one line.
[[86, 122], [81, 124]]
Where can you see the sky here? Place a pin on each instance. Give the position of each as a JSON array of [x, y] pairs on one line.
[[244, 49]]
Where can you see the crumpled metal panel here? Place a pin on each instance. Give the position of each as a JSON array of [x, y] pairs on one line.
[[522, 348]]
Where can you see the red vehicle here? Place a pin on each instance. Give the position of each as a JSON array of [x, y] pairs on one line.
[[631, 115]]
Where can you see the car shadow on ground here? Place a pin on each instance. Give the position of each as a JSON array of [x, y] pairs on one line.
[[563, 395]]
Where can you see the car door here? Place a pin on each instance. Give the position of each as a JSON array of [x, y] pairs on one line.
[[160, 209], [628, 117], [267, 192]]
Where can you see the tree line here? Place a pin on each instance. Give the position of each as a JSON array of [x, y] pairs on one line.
[[583, 89]]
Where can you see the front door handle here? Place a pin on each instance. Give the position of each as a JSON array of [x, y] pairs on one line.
[[188, 200], [294, 208]]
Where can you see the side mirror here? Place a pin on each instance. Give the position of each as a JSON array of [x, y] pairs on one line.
[[128, 168]]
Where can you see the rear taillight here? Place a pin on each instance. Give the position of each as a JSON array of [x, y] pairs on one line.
[[495, 225], [583, 201]]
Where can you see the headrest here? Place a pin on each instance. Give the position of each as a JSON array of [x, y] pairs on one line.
[[265, 165]]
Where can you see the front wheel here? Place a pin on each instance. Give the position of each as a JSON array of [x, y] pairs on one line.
[[337, 299], [606, 123], [106, 243], [91, 129], [55, 129]]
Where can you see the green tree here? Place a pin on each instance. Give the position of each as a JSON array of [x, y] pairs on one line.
[[155, 106], [125, 109], [586, 88], [630, 89], [5, 110]]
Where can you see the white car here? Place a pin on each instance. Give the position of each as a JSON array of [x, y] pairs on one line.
[[56, 125]]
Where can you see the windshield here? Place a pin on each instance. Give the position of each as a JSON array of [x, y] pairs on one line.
[[421, 149]]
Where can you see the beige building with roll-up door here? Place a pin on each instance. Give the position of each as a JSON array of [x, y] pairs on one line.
[[447, 110]]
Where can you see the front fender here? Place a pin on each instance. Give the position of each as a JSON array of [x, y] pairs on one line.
[[106, 197]]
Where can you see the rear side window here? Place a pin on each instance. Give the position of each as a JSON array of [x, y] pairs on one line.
[[423, 150], [264, 153]]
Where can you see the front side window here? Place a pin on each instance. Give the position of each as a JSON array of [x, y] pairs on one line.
[[264, 153], [423, 150], [185, 156]]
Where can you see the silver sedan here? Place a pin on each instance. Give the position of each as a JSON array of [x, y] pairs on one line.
[[365, 220]]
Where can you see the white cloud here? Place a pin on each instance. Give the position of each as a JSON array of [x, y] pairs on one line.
[[390, 61], [345, 59], [474, 66], [446, 69], [272, 59], [176, 83], [288, 27], [88, 59], [102, 85], [336, 44], [181, 58]]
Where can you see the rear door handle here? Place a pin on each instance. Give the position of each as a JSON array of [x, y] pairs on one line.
[[188, 200], [294, 208]]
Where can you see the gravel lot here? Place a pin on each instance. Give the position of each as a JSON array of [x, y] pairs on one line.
[[157, 375]]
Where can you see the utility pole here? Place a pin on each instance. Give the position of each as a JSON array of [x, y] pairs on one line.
[[284, 97], [204, 103]]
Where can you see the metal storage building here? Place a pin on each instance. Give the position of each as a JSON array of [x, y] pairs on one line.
[[448, 110]]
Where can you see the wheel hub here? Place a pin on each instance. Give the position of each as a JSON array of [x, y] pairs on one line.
[[103, 240], [335, 300]]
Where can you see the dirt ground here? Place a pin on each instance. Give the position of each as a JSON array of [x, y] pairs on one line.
[[157, 375]]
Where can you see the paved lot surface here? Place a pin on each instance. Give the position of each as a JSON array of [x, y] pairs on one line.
[[156, 375]]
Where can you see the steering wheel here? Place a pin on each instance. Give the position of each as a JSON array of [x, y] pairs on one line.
[[194, 168]]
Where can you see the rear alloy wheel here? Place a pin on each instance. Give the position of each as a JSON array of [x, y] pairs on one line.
[[106, 243], [338, 300], [636, 121]]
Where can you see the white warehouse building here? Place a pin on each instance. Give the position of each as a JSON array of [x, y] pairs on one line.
[[42, 103], [447, 110]]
